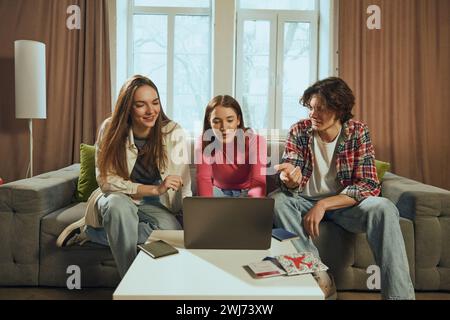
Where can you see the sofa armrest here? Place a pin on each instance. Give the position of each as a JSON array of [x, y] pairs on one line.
[[414, 199], [429, 209], [41, 194], [22, 205]]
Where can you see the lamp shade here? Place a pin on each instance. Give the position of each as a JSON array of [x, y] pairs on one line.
[[30, 81]]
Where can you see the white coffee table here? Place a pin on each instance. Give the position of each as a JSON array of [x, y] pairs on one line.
[[210, 275]]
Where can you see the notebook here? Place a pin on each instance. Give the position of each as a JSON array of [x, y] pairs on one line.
[[158, 249]]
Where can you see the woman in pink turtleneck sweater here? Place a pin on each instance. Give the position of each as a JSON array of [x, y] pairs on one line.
[[231, 160]]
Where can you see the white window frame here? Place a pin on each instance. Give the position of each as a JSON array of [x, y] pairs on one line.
[[171, 12], [277, 18], [224, 22], [242, 16], [305, 17]]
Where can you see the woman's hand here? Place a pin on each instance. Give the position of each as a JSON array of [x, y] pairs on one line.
[[171, 182]]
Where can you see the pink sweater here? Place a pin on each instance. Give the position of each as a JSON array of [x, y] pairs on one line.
[[246, 171]]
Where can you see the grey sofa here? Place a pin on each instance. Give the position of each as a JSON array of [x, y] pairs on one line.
[[34, 211]]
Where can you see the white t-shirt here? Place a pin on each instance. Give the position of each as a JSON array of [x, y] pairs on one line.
[[323, 182]]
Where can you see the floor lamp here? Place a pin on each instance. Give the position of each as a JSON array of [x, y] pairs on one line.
[[30, 83]]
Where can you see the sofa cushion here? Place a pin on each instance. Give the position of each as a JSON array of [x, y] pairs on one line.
[[382, 168], [55, 222], [348, 255], [95, 261], [87, 182]]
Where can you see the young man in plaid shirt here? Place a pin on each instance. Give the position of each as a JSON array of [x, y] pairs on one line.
[[328, 171]]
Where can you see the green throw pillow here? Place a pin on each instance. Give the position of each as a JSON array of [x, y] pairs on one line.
[[86, 182], [382, 167]]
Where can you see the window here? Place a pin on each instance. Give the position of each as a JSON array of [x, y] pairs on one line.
[[170, 44], [277, 48], [278, 4], [173, 3], [266, 57]]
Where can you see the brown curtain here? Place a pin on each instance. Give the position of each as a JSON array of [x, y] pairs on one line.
[[78, 82], [401, 78]]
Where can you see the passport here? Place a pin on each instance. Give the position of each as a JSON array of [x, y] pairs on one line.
[[283, 235], [157, 249]]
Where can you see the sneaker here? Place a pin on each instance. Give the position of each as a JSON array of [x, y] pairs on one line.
[[79, 238], [69, 232], [326, 282]]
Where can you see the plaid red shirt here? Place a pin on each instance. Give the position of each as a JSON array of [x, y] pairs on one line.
[[355, 161]]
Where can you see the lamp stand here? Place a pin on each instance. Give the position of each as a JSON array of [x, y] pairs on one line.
[[30, 125]]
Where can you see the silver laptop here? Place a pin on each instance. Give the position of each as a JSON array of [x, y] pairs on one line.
[[227, 223]]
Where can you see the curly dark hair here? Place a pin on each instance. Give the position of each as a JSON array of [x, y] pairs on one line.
[[335, 94]]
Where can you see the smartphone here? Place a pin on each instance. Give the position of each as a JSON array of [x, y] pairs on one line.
[[157, 249]]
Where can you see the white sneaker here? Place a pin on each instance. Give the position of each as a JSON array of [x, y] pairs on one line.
[[327, 284], [69, 233], [79, 238]]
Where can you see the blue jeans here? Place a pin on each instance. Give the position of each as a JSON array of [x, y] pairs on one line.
[[377, 217], [223, 193], [125, 225]]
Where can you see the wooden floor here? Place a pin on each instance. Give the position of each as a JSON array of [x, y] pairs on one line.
[[106, 294], [376, 296]]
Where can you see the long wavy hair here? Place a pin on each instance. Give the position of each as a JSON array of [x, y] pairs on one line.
[[224, 101], [112, 151]]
